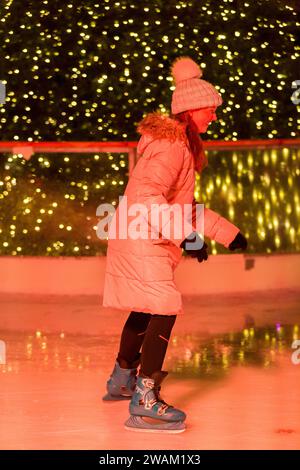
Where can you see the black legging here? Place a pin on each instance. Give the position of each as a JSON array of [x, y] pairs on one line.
[[152, 333]]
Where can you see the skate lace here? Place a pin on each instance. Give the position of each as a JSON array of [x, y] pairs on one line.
[[158, 398]]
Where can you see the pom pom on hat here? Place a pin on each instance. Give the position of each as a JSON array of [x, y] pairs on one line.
[[184, 68]]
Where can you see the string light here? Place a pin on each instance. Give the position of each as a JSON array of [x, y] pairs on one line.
[[51, 209], [255, 185], [96, 78]]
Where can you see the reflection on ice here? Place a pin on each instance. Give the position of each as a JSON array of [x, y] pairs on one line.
[[194, 357], [190, 355]]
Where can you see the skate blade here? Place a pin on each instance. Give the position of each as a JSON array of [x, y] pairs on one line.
[[136, 423], [109, 397]]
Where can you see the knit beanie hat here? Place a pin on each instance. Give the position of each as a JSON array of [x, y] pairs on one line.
[[191, 92]]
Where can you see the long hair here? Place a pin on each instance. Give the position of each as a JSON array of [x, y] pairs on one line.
[[194, 140]]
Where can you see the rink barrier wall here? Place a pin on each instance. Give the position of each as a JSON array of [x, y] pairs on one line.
[[85, 275]]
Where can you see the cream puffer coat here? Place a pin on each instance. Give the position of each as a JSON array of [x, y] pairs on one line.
[[140, 272]]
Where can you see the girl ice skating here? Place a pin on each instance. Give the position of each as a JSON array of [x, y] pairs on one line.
[[140, 272]]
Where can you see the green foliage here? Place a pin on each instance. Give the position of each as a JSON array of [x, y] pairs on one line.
[[89, 71]]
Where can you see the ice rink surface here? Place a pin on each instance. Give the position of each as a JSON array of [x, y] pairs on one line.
[[229, 361]]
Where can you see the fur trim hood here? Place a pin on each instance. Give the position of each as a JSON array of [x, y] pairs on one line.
[[162, 126], [157, 126]]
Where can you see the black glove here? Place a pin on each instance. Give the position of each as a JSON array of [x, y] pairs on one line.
[[239, 242], [199, 253]]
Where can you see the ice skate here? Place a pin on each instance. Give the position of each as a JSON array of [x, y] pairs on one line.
[[147, 403], [122, 381]]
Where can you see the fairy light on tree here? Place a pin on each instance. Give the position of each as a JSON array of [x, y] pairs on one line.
[[89, 72]]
